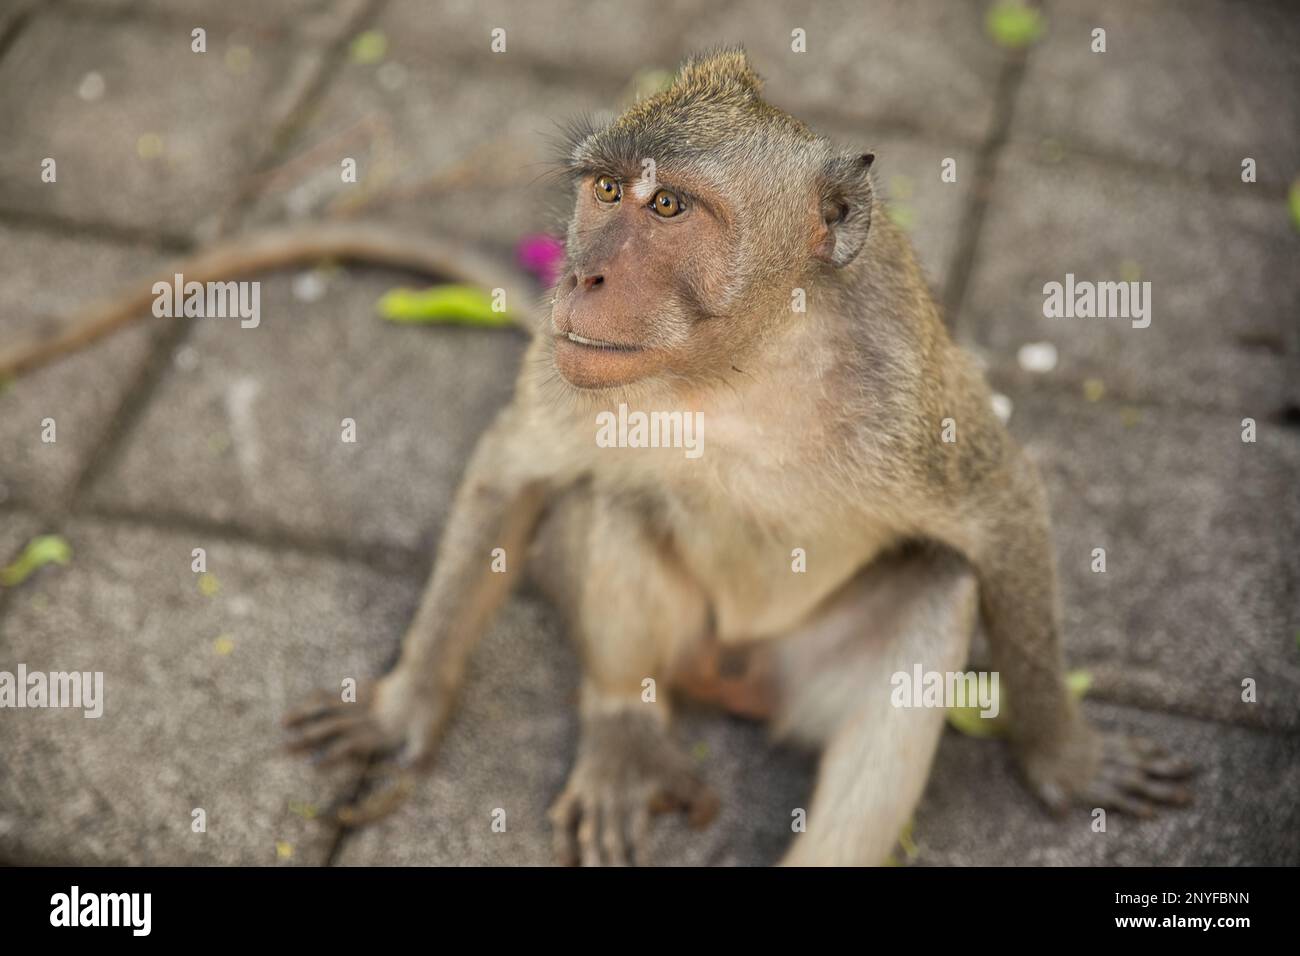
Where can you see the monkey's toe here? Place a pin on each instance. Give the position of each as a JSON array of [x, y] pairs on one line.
[[608, 824], [1136, 776], [597, 827], [334, 730]]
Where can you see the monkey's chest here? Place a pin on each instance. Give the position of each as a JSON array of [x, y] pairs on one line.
[[767, 574]]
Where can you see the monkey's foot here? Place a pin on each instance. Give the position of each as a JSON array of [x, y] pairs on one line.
[[1132, 775], [390, 714], [627, 769]]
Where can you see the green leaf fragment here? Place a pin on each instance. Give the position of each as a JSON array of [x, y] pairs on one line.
[[308, 811], [1078, 683], [967, 720], [901, 215], [906, 844], [40, 551], [1013, 25], [369, 47], [455, 304]]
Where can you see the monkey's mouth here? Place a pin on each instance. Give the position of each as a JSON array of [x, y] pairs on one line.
[[577, 339], [596, 363]]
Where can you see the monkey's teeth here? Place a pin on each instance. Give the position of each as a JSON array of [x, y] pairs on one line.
[[575, 337]]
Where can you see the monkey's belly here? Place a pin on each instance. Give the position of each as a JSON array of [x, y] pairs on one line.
[[763, 589], [763, 607]]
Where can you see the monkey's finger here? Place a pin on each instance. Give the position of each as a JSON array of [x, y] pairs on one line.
[[1147, 747], [1111, 797], [588, 829], [1159, 791], [1149, 757], [352, 746], [564, 820], [1139, 784], [1053, 795], [415, 753], [376, 805], [611, 830], [319, 704], [1166, 767], [702, 808], [695, 797], [317, 732], [663, 801], [1170, 768], [639, 830]]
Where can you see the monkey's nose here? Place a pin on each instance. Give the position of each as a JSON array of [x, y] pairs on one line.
[[591, 282]]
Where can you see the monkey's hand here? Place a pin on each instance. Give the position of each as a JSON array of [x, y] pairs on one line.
[[395, 713], [1112, 771], [627, 768]]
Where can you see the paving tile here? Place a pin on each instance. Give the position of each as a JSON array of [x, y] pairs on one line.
[[315, 19], [1199, 531], [468, 158], [975, 812], [512, 744], [558, 34], [915, 65], [144, 154], [1198, 84], [1224, 291], [48, 277], [184, 725], [246, 427]]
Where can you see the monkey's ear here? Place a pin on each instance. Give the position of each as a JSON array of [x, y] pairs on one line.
[[846, 199]]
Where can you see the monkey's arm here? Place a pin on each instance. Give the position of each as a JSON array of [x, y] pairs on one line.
[[496, 506], [1063, 757]]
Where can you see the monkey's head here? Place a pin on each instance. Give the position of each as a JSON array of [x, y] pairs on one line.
[[699, 211]]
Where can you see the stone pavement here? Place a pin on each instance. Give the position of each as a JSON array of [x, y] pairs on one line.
[[180, 435]]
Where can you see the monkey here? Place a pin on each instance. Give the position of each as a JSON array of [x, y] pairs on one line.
[[825, 432]]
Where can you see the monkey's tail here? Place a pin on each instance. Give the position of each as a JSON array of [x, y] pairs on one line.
[[275, 249]]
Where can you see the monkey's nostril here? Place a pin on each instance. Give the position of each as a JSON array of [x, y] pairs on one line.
[[590, 282]]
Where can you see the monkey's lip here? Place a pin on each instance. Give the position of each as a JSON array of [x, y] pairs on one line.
[[594, 363], [577, 339]]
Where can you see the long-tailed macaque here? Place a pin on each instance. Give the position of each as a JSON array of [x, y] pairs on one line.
[[727, 267]]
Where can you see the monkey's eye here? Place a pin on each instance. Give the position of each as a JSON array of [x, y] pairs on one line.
[[666, 204], [607, 189]]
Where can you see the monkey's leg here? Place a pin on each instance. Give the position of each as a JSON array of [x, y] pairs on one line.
[[1063, 757], [630, 607], [835, 689], [496, 507]]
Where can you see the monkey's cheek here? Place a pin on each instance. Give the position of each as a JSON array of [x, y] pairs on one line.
[[586, 367]]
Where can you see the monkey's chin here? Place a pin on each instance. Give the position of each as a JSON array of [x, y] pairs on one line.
[[594, 367]]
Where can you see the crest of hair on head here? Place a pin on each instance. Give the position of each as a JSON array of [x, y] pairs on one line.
[[720, 72]]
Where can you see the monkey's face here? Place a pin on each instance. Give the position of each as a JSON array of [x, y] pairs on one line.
[[675, 277], [699, 213], [648, 261]]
